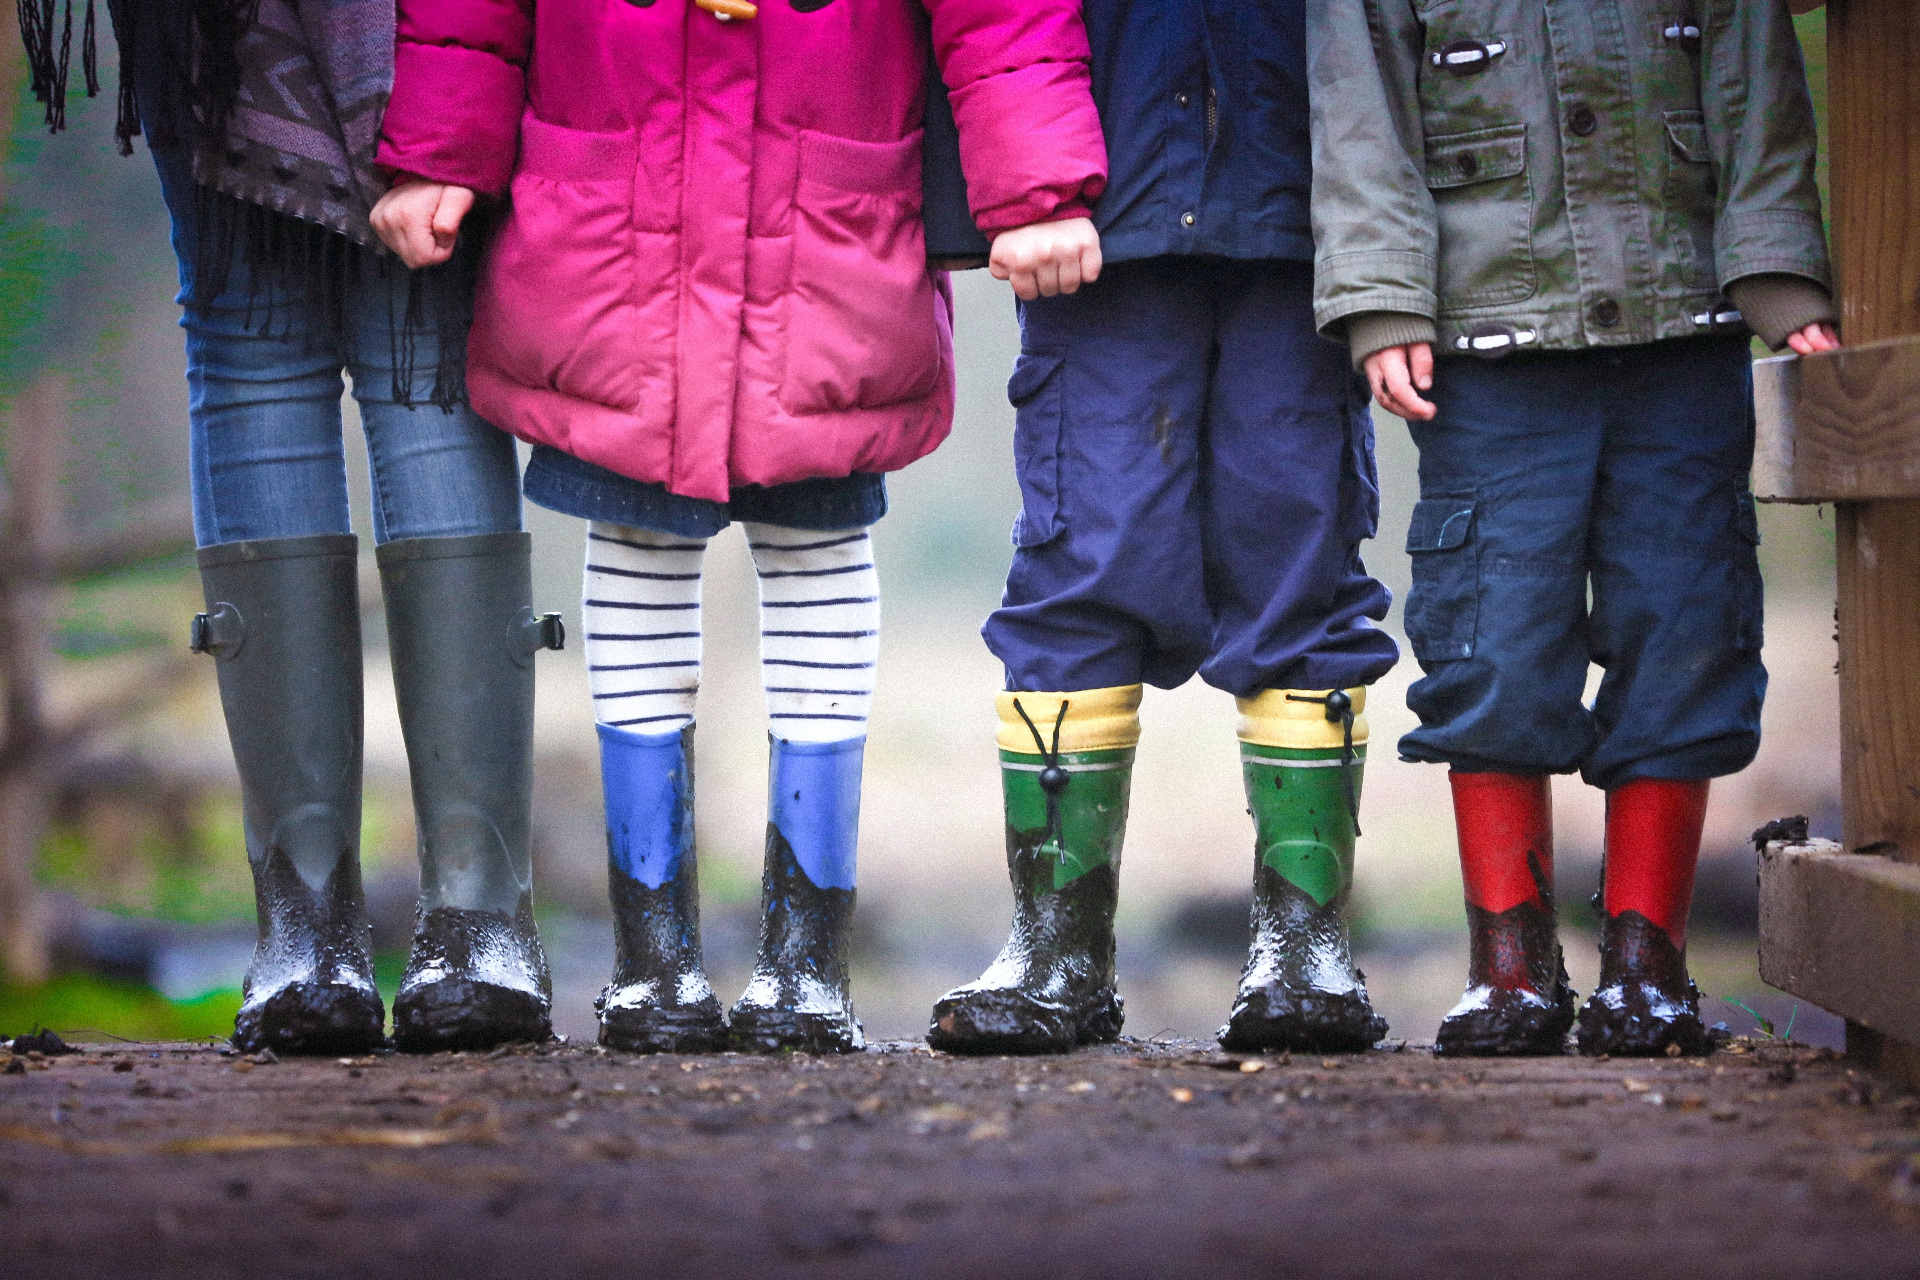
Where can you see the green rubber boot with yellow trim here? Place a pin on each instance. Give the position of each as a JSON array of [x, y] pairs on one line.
[[1066, 762], [1302, 755]]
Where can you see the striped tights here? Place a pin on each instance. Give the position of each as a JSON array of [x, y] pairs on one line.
[[819, 628]]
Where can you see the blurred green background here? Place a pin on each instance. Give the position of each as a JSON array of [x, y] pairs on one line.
[[140, 882]]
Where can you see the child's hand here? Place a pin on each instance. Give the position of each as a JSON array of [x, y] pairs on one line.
[[1045, 258], [1395, 372], [420, 220], [1815, 338]]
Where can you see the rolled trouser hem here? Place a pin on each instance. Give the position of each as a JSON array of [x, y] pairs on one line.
[[1347, 671], [1465, 762], [1698, 764]]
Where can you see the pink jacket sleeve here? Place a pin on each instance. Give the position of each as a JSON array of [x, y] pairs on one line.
[[459, 88], [1030, 139]]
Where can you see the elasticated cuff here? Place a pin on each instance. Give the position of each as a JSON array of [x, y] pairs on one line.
[[1776, 305], [1372, 331]]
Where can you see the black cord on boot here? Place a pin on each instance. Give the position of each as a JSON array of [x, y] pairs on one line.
[[1053, 778], [1339, 707]]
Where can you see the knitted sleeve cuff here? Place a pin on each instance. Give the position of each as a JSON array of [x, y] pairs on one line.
[[1372, 331], [1776, 305]]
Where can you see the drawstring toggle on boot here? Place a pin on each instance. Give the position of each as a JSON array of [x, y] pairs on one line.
[[1053, 779], [1339, 705]]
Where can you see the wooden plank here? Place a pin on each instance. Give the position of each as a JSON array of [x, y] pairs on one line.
[[1873, 49], [1843, 425], [1843, 930]]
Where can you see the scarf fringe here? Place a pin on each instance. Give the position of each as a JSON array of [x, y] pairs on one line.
[[203, 38], [285, 258], [48, 61]]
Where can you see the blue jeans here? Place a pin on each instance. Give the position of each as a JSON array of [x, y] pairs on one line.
[[267, 454], [1620, 471], [1196, 475]]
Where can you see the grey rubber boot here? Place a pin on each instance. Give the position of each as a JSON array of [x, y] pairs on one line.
[[463, 636], [283, 624]]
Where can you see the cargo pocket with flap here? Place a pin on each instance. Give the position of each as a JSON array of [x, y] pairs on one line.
[[1483, 206], [1443, 609], [1038, 407]]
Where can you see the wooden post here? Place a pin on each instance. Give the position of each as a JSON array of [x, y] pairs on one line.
[[30, 527], [1873, 68]]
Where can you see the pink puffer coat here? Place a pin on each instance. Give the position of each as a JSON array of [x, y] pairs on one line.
[[713, 272]]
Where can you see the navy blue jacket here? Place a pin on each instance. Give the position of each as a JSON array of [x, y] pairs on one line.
[[1204, 103]]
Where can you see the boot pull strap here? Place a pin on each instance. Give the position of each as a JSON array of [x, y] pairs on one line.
[[219, 631], [1340, 710], [531, 632], [1053, 778]]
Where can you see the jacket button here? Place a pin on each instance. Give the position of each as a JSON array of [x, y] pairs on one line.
[[1606, 313], [1186, 219], [1582, 121], [1180, 98], [1468, 164]]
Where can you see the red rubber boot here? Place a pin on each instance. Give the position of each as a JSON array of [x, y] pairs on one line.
[[1646, 1002], [1518, 1002]]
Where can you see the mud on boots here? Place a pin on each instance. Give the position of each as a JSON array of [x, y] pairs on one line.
[[798, 997], [283, 624], [1518, 1001], [1066, 768], [1302, 754], [1645, 1002], [463, 636], [659, 1000]]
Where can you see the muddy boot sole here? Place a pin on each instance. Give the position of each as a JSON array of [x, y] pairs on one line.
[[1273, 1019], [1508, 1028], [1630, 1032], [1012, 1022], [754, 1030], [312, 1018], [650, 1029], [459, 1013]]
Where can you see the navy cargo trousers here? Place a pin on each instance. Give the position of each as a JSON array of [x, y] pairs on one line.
[[1621, 472], [1196, 477]]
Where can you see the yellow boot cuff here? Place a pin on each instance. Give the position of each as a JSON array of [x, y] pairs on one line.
[[1097, 719], [1271, 719]]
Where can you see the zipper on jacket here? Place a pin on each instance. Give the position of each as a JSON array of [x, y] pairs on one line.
[[1213, 114]]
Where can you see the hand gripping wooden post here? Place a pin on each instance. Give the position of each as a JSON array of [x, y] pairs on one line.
[[1840, 925]]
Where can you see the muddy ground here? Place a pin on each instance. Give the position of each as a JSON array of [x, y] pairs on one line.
[[1134, 1160]]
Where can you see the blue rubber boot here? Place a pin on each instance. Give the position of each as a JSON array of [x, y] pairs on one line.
[[659, 1000], [798, 997]]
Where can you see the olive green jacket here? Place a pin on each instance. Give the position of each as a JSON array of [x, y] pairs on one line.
[[1554, 174]]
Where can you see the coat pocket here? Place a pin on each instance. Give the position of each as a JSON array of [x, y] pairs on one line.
[[557, 307], [1483, 207], [1443, 608], [1038, 412], [1689, 197], [862, 329]]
